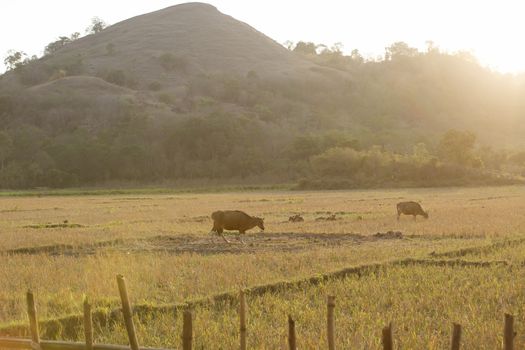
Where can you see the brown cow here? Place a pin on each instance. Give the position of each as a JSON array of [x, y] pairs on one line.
[[410, 208], [234, 220]]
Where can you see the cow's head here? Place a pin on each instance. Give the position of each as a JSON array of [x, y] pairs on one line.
[[425, 214], [260, 223]]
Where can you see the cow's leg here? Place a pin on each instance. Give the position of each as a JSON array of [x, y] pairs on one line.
[[220, 234], [219, 231], [215, 229], [239, 236], [212, 233]]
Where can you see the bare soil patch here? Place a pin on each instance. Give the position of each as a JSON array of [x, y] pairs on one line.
[[212, 244], [251, 243]]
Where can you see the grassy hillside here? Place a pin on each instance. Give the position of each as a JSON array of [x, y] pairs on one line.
[[190, 93]]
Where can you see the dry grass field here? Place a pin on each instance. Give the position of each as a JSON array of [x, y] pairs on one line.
[[422, 303], [161, 244], [487, 212]]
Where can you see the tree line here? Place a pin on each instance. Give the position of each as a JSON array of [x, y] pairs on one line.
[[409, 118]]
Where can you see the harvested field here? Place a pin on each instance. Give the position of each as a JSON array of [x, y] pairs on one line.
[[67, 247], [487, 212]]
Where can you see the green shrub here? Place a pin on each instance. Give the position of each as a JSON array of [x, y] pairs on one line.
[[34, 73], [116, 76], [110, 49], [166, 98], [172, 63], [154, 86]]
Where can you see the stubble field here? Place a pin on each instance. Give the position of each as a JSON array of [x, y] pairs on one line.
[[66, 247]]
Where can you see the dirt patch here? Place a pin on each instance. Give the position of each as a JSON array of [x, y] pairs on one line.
[[63, 249], [249, 243], [209, 244], [327, 218], [389, 235], [202, 218], [296, 218], [57, 225]]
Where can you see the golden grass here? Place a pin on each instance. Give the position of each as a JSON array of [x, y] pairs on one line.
[[458, 218], [496, 211], [59, 282], [513, 254], [422, 303]]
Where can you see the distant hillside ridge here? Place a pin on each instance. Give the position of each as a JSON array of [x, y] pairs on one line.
[[190, 94], [180, 41]]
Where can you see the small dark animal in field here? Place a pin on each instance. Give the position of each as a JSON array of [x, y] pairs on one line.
[[296, 218], [410, 208], [328, 218], [389, 234], [234, 220]]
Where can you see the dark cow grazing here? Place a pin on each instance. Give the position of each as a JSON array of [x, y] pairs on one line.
[[410, 208], [234, 220]]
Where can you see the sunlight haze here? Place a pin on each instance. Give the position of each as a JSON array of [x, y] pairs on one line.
[[491, 30]]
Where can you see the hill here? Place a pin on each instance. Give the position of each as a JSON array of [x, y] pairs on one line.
[[190, 93], [172, 45]]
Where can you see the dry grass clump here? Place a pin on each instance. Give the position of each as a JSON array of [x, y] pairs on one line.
[[512, 253], [59, 282], [422, 303]]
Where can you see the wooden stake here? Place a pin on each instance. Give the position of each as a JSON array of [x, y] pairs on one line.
[[88, 325], [33, 323], [242, 319], [456, 337], [387, 337], [187, 331], [508, 333], [330, 324], [128, 314], [291, 334]]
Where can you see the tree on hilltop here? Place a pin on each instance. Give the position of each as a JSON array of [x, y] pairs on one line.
[[97, 25]]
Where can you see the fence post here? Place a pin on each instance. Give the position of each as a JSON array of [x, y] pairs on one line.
[[456, 336], [387, 337], [128, 314], [33, 322], [88, 325], [291, 334], [242, 319], [187, 330], [330, 325], [508, 333]]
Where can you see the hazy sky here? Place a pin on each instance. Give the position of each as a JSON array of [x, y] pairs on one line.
[[492, 30]]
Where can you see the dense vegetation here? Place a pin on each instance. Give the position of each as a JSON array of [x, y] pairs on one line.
[[398, 120]]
